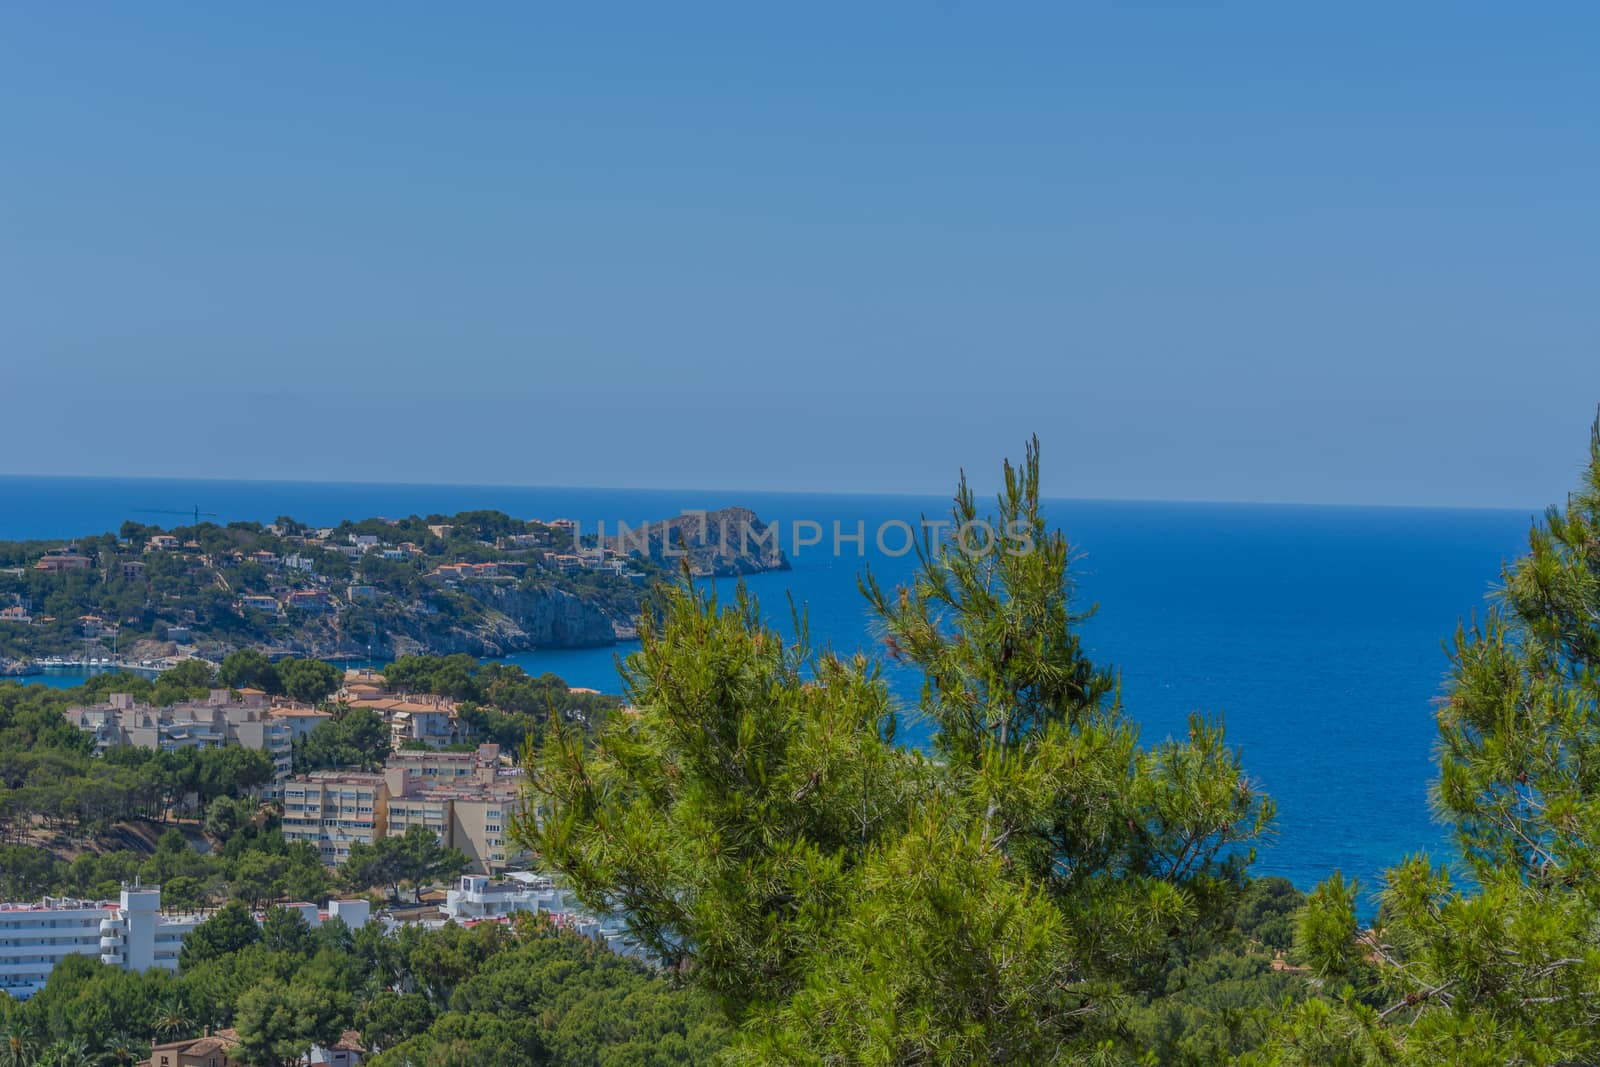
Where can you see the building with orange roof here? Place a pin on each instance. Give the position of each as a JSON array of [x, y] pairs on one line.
[[62, 559], [213, 1050], [220, 1048]]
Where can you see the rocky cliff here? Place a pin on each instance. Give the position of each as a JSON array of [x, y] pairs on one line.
[[554, 618], [514, 620]]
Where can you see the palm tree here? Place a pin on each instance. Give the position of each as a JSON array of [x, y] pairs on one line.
[[72, 1053], [118, 1052], [172, 1019], [16, 1046]]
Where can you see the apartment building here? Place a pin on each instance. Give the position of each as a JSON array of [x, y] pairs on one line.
[[334, 809], [466, 798], [474, 819], [140, 935], [449, 768], [429, 719], [222, 718], [434, 725], [299, 720]]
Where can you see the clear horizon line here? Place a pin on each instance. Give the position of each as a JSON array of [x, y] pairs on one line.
[[1533, 509]]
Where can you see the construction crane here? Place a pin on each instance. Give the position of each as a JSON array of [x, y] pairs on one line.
[[164, 511]]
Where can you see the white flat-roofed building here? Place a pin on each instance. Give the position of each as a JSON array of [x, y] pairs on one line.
[[35, 937], [476, 896], [132, 933], [140, 935]]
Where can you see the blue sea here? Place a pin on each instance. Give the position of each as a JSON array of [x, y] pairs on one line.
[[1314, 631]]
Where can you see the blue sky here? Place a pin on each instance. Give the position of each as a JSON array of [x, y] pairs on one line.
[[1246, 253]]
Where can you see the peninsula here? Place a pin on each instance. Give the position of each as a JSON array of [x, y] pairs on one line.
[[479, 582]]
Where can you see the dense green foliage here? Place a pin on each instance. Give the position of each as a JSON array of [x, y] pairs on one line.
[[278, 1021], [1221, 995], [519, 996], [309, 681], [229, 930], [850, 901], [354, 739], [254, 865], [559, 1000]]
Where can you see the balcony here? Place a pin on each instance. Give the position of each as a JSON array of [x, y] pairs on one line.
[[29, 947], [35, 967]]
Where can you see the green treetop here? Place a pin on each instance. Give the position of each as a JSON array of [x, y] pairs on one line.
[[414, 858], [278, 1021]]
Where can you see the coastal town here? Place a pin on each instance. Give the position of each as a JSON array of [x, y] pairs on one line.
[[480, 582]]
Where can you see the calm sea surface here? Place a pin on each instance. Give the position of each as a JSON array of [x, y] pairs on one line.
[[1315, 631]]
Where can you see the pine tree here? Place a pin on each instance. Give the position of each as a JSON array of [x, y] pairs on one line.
[[853, 901], [1504, 965]]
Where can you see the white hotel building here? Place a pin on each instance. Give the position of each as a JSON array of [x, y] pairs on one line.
[[133, 933], [35, 937]]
